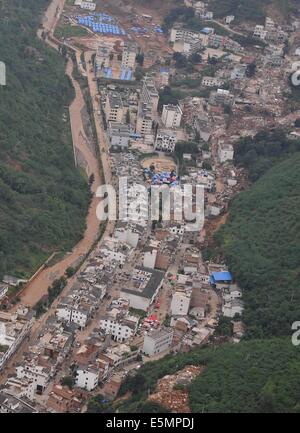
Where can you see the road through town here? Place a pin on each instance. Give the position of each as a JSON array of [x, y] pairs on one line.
[[39, 285]]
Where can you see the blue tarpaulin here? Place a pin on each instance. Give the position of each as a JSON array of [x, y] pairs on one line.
[[219, 277]]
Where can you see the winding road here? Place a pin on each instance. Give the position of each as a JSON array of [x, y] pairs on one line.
[[38, 287]]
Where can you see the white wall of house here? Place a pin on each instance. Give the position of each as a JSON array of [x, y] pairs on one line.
[[36, 372], [136, 301], [120, 332], [150, 259], [155, 345], [87, 379], [180, 304]]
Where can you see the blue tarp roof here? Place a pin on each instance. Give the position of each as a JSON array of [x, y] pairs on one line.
[[100, 23], [220, 276], [206, 30]]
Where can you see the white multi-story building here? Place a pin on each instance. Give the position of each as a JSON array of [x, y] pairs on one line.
[[144, 121], [260, 32], [144, 287], [38, 374], [226, 153], [150, 259], [88, 5], [119, 135], [114, 109], [120, 329], [72, 314], [180, 303], [157, 341], [221, 96], [21, 387], [165, 141], [13, 330], [130, 52], [212, 82], [171, 116], [113, 255], [231, 308], [182, 34], [149, 95], [87, 377], [12, 404]]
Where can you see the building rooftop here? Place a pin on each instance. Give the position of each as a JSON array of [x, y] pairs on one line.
[[115, 100], [144, 282], [217, 277]]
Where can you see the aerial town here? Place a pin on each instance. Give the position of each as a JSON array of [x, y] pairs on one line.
[[155, 107]]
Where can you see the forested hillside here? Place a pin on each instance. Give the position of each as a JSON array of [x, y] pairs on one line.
[[261, 243], [253, 376], [43, 198], [253, 10]]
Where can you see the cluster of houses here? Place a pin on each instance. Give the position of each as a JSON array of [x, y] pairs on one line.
[[145, 290]]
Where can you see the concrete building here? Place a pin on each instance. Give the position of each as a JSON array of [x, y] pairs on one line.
[[229, 19], [221, 97], [143, 287], [38, 374], [149, 95], [121, 329], [212, 82], [226, 152], [180, 303], [13, 330], [150, 259], [102, 60], [88, 5], [73, 314], [179, 34], [130, 52], [87, 377], [171, 116], [165, 141], [144, 121], [163, 77], [20, 388], [12, 404], [119, 136], [260, 32], [231, 308], [239, 72], [128, 236], [157, 341], [114, 109]]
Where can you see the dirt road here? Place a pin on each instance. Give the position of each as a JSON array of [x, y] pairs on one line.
[[38, 287]]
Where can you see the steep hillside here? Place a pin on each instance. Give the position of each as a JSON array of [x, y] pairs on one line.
[[253, 376], [43, 198], [261, 242], [254, 10]]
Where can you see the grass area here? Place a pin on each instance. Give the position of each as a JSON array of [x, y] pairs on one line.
[[68, 31]]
